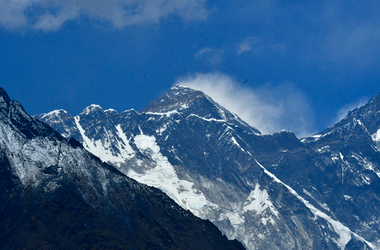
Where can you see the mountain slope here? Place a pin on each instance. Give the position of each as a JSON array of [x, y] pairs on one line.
[[55, 194], [348, 154], [264, 190]]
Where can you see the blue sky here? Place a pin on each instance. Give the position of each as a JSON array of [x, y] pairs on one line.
[[290, 65]]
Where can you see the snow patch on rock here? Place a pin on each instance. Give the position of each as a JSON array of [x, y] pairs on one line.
[[164, 177], [103, 148], [259, 201], [345, 234]]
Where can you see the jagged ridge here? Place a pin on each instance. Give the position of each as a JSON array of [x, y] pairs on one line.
[[268, 191]]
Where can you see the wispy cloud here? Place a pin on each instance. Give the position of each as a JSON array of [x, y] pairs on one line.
[[250, 43], [52, 14], [258, 45], [211, 55], [327, 31], [253, 44], [343, 111], [269, 108]]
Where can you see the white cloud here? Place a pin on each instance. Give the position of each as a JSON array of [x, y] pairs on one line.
[[51, 14], [269, 108]]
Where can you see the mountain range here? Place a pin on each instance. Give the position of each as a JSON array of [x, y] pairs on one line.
[[268, 191], [54, 194]]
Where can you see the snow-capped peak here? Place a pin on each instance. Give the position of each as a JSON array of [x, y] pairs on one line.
[[189, 102], [91, 108], [54, 113], [175, 98], [179, 86], [109, 111]]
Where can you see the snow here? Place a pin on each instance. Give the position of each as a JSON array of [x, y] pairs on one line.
[[54, 113], [51, 186], [366, 180], [236, 143], [259, 201], [164, 177], [103, 148], [90, 108], [266, 220], [323, 149], [334, 159], [235, 219], [261, 236], [344, 232], [366, 164], [376, 136], [317, 137], [161, 130], [180, 86], [362, 125], [66, 135], [206, 119], [110, 111], [129, 111], [324, 205], [167, 114], [341, 157], [184, 106], [27, 157], [348, 198], [124, 146]]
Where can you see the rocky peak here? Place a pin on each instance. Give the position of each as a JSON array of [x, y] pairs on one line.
[[93, 108], [56, 116], [367, 115], [176, 98], [60, 120], [92, 113], [190, 102], [4, 99]]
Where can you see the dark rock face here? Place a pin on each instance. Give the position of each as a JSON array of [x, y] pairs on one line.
[[56, 195], [268, 191]]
